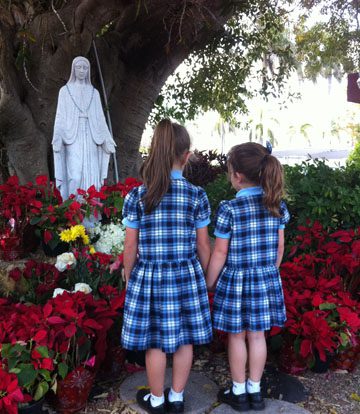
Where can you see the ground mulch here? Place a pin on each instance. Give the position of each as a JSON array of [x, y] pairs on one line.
[[329, 393]]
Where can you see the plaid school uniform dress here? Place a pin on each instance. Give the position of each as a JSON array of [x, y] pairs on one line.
[[249, 294], [166, 303]]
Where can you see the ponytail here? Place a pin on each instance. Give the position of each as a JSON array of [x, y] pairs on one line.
[[169, 142], [260, 168], [272, 182]]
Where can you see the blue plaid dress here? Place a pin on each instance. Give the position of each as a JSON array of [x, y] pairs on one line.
[[166, 303], [249, 294]]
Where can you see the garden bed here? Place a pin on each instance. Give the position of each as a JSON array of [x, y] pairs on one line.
[[329, 393]]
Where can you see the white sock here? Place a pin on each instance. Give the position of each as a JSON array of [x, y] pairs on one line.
[[239, 388], [252, 386], [176, 396], [156, 401]]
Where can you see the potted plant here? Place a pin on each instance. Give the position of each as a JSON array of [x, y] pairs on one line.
[[34, 367], [80, 323]]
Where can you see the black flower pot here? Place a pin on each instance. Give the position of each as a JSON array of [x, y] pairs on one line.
[[34, 407], [320, 367], [60, 248]]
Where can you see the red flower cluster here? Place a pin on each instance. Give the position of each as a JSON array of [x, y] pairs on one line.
[[113, 196], [16, 204], [10, 393], [321, 314], [36, 281], [73, 325]]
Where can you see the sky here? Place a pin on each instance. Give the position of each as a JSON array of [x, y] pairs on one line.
[[320, 105]]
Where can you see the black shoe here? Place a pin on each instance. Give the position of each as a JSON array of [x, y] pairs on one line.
[[146, 405], [173, 407], [256, 401], [237, 402]]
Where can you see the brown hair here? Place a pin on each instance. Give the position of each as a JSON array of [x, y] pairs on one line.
[[169, 143], [261, 168]]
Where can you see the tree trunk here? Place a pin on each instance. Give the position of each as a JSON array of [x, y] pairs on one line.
[[141, 45]]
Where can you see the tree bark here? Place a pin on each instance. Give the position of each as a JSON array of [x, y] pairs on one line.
[[140, 45]]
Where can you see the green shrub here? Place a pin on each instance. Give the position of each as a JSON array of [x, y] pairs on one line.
[[315, 191], [354, 157], [220, 189]]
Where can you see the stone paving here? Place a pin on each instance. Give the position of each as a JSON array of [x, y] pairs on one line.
[[200, 396]]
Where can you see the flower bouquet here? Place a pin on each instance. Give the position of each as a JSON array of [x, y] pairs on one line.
[[83, 264]]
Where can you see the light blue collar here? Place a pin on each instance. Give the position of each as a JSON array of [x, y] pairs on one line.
[[176, 174], [249, 192]]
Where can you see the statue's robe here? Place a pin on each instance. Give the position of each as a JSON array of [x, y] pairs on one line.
[[82, 142]]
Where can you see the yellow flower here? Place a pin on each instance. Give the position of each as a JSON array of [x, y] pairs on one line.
[[66, 236], [75, 232], [92, 249]]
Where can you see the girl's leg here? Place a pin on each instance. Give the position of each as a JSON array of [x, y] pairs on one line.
[[155, 369], [236, 396], [237, 356], [257, 355], [182, 362]]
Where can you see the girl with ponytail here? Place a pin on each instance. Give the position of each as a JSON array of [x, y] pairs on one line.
[[245, 264], [166, 253]]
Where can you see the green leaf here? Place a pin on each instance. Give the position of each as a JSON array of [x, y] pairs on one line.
[[327, 306], [41, 390], [43, 351], [63, 369], [35, 220], [27, 375]]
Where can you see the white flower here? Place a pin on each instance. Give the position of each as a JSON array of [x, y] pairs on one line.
[[65, 260], [82, 287], [58, 291], [111, 239]]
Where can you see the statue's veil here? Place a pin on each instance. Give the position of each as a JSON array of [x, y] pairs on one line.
[[72, 75]]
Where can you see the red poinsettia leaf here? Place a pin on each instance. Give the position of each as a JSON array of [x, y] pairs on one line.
[[70, 330], [91, 323], [47, 309], [47, 236], [41, 180], [54, 320], [40, 335], [305, 348]]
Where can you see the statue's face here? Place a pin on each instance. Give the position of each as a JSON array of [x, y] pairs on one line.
[[81, 70]]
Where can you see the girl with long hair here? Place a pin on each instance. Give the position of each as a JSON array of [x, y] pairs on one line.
[[166, 253], [245, 264]]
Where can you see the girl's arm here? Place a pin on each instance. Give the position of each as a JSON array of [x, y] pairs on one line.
[[203, 246], [280, 248], [217, 261], [130, 251]]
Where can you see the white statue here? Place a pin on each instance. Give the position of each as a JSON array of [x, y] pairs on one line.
[[82, 142]]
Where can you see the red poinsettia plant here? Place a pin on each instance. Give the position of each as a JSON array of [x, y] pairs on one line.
[[35, 282], [16, 205], [113, 198], [322, 307], [10, 392]]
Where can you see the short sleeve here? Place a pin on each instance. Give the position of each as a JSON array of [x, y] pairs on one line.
[[223, 221], [202, 211], [285, 215], [131, 210]]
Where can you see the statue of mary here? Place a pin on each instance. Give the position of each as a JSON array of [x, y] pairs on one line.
[[82, 142]]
